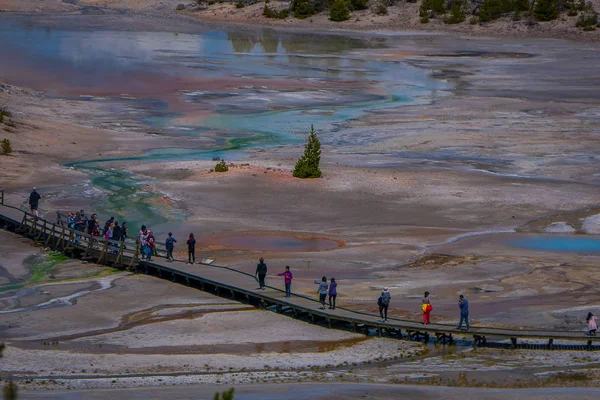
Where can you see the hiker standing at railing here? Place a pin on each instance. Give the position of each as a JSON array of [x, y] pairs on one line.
[[96, 229], [91, 222], [79, 225], [124, 231], [151, 245], [116, 233], [34, 199], [143, 241]]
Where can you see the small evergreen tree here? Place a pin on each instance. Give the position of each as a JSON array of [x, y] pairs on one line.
[[457, 14], [359, 4], [6, 147], [227, 395], [221, 166], [381, 8], [545, 10], [436, 6], [302, 9], [588, 17], [10, 390], [491, 10], [308, 165], [339, 11]]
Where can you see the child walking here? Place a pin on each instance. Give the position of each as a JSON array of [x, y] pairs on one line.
[[287, 279]]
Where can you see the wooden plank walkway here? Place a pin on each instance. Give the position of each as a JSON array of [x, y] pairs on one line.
[[237, 285]]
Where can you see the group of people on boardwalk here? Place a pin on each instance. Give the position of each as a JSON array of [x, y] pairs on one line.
[[79, 222], [328, 290], [111, 229], [148, 245]]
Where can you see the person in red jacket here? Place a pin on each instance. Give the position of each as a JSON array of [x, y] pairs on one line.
[[287, 279], [151, 244]]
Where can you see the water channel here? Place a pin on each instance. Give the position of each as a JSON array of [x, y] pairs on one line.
[[228, 91]]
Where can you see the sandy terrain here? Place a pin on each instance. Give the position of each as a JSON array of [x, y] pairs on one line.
[[342, 391], [140, 331], [504, 150]]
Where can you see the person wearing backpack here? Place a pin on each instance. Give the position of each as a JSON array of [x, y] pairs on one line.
[[170, 245], [384, 302], [322, 290], [34, 201]]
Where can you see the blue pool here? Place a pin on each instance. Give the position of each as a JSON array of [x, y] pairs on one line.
[[562, 243]]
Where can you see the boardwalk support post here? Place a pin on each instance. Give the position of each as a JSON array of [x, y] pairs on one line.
[[513, 342], [479, 340], [550, 344]]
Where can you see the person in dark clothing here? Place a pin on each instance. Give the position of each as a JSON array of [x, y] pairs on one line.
[[84, 219], [463, 304], [261, 272], [78, 222], [123, 231], [107, 224], [191, 243], [332, 293], [170, 245], [79, 225], [34, 200], [106, 227], [116, 232], [90, 223], [384, 304]]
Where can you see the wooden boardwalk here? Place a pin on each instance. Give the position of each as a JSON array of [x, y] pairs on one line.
[[240, 286]]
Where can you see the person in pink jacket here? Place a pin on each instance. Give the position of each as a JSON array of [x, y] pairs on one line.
[[287, 278], [592, 325]]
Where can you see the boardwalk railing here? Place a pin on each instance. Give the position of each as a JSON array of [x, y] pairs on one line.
[[241, 286]]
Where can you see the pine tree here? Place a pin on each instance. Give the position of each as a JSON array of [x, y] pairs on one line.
[[339, 11], [491, 10], [545, 10], [6, 147], [227, 395], [10, 390], [308, 165]]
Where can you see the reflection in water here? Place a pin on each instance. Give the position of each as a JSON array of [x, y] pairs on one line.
[[557, 243], [244, 88], [276, 243]]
